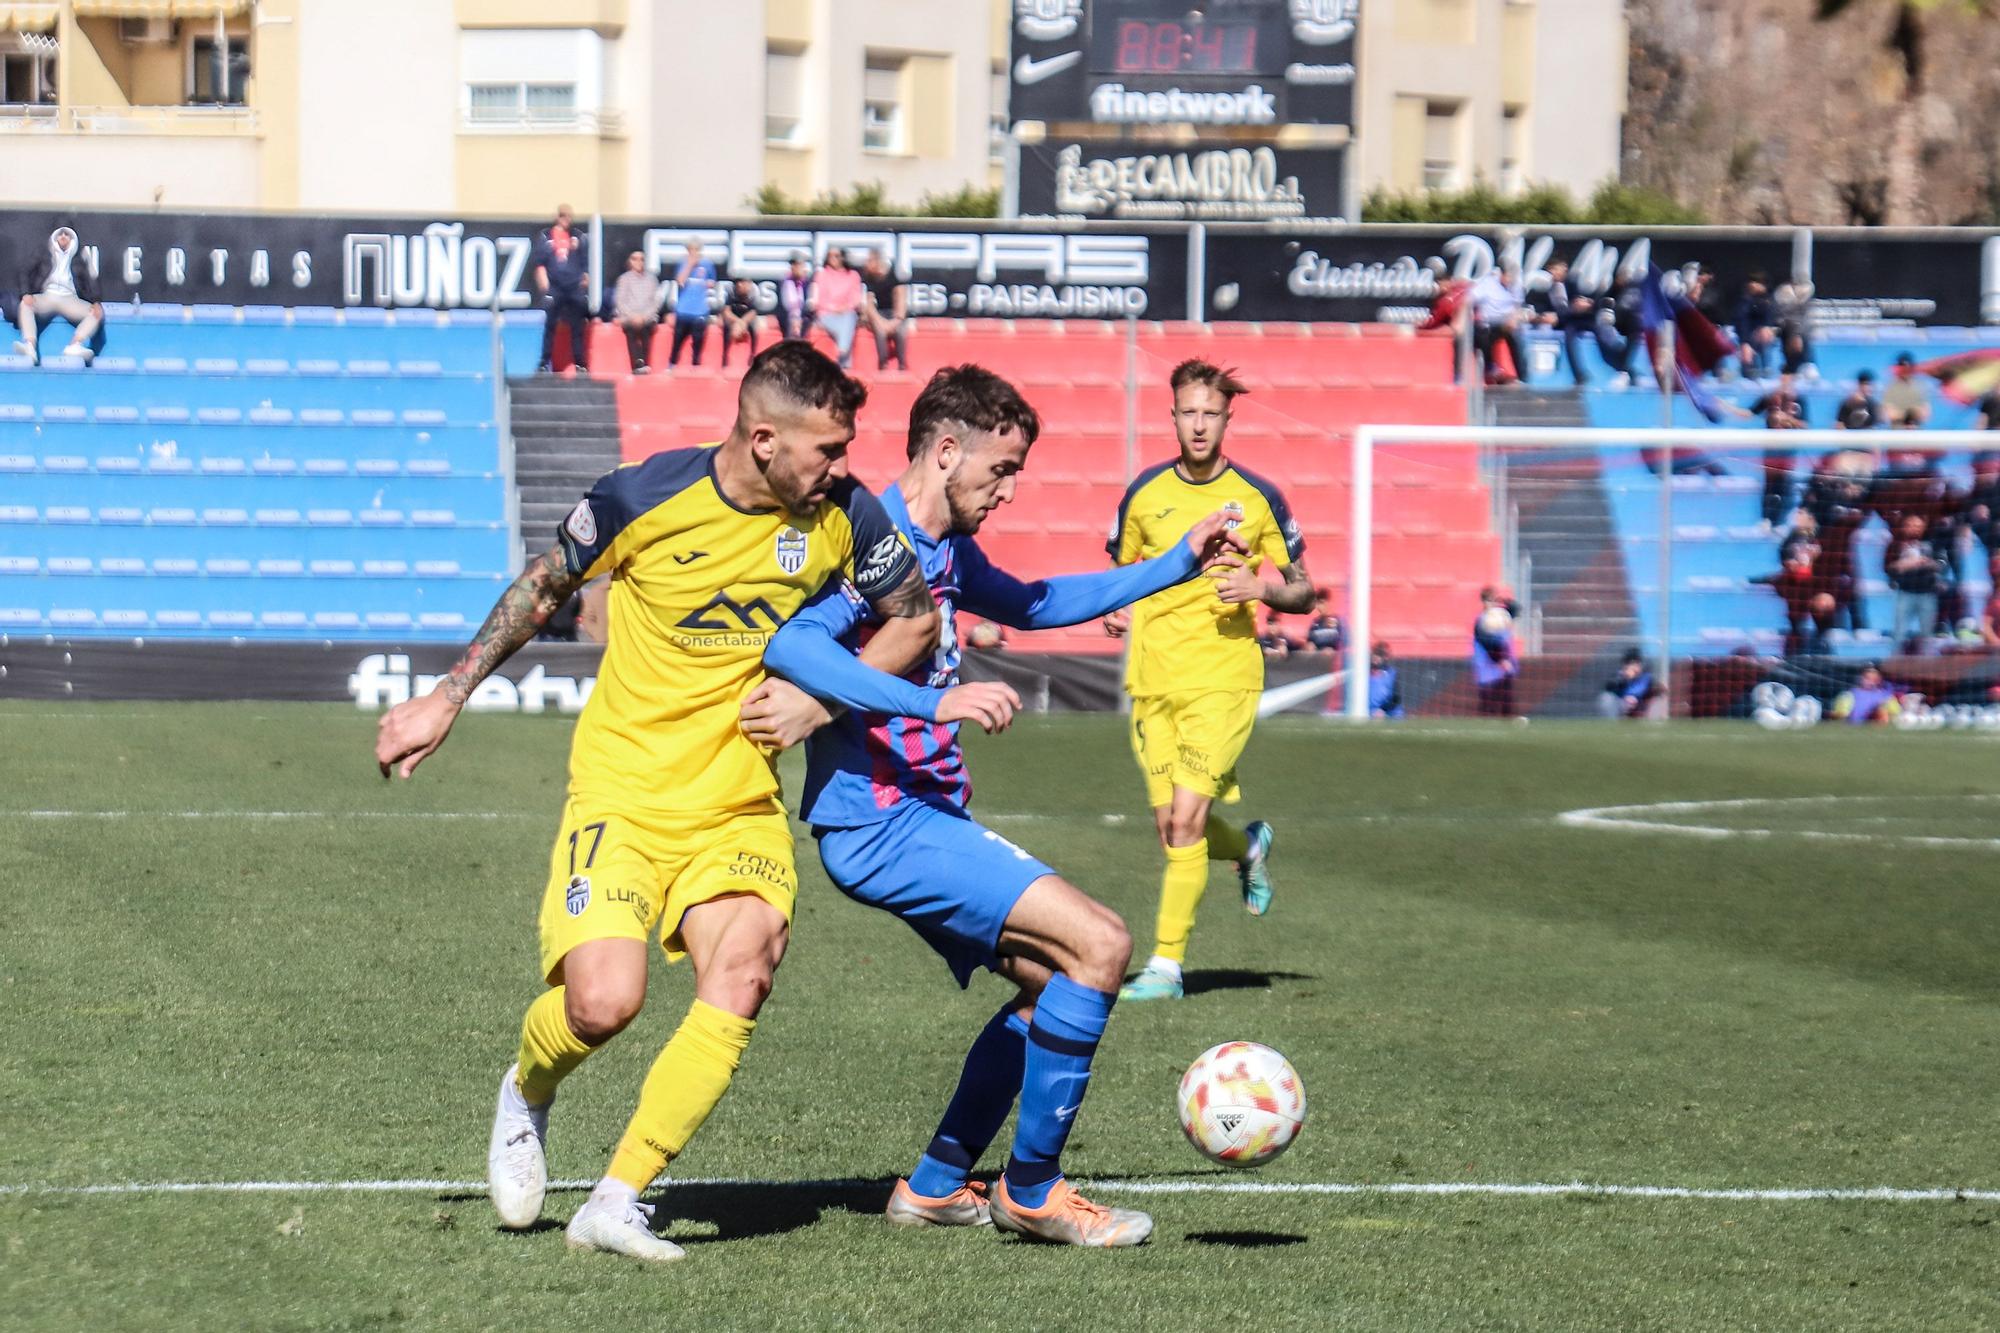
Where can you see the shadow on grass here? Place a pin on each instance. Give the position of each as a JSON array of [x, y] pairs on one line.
[[1234, 978], [738, 1210], [1245, 1240], [741, 1211]]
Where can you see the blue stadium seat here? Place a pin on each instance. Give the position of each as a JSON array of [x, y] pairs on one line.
[[262, 473]]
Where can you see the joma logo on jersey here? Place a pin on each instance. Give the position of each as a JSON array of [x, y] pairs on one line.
[[723, 614]]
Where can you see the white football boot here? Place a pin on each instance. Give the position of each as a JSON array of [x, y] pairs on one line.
[[626, 1230], [517, 1163]]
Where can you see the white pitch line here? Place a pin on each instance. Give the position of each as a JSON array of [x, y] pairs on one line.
[[1876, 1194], [1620, 819], [259, 814]]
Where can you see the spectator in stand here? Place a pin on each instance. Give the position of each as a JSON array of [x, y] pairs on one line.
[[1801, 541], [1385, 696], [1450, 309], [1494, 664], [837, 295], [1914, 572], [1859, 410], [1624, 343], [795, 300], [1905, 405], [742, 322], [1781, 409], [635, 304], [1987, 417], [59, 286], [1982, 508], [1989, 620], [695, 280], [1568, 313], [1837, 499], [1277, 645], [1870, 701], [1631, 691], [1792, 303], [1809, 607], [1706, 293], [562, 278], [1497, 311], [1756, 325], [886, 307], [1326, 634]]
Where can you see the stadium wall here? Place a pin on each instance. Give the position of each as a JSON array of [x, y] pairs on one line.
[[986, 269], [1943, 693]]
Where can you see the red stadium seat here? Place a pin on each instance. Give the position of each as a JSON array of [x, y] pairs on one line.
[[1312, 385]]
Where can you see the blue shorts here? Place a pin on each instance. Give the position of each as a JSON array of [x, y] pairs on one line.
[[954, 880]]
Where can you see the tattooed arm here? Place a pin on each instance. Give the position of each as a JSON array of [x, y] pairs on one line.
[[910, 627], [410, 732], [1237, 581]]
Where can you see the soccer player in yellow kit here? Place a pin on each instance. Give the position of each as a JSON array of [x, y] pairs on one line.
[[673, 820], [1195, 672]]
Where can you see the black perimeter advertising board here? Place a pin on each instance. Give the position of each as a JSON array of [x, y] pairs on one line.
[[1008, 270]]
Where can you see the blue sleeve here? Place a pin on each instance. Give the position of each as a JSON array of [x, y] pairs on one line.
[[882, 559], [808, 652], [1068, 599]]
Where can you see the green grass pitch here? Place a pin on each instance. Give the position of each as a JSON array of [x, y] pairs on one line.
[[1472, 990]]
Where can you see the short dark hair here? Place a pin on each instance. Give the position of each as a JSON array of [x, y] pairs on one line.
[[807, 376], [972, 397], [1196, 371]]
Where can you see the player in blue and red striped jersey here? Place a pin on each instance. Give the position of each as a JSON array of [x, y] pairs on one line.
[[887, 798]]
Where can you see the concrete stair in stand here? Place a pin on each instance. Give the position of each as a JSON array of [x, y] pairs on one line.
[[1580, 584], [565, 438]]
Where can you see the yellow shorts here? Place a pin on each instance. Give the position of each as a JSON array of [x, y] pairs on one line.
[[618, 876], [1192, 741]]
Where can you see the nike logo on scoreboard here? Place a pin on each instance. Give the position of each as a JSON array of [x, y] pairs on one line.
[[1030, 70]]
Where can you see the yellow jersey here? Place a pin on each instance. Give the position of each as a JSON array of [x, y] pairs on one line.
[[1186, 640], [698, 587]]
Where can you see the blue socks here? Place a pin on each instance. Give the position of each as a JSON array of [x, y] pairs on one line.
[[985, 1094], [1069, 1022]]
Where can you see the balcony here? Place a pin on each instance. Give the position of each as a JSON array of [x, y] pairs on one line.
[[177, 121], [604, 122]]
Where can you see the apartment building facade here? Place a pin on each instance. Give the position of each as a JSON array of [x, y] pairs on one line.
[[664, 107]]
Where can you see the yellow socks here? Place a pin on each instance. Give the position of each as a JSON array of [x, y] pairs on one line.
[[549, 1050], [683, 1086], [1180, 892], [1226, 843]]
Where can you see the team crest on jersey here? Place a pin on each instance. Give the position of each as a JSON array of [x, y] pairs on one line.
[[582, 524], [1235, 511], [791, 550], [578, 896]]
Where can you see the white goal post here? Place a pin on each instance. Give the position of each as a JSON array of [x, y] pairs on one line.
[[1368, 439]]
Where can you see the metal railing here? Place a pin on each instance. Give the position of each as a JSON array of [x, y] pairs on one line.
[[163, 120], [605, 121]]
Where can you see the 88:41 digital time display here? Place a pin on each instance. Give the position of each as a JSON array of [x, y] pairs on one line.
[[1140, 37]]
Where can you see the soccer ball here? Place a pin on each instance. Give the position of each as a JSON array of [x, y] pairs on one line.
[[1241, 1104]]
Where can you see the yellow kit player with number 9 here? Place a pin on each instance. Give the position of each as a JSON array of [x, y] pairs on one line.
[[1195, 672]]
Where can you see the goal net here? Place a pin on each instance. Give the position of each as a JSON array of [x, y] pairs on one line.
[[1788, 577]]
